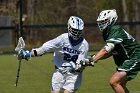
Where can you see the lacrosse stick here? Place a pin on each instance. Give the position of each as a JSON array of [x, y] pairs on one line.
[[19, 49]]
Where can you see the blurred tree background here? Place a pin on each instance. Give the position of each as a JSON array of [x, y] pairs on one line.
[[45, 19]]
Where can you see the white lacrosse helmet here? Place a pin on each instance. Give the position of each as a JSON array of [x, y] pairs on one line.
[[75, 27], [106, 18]]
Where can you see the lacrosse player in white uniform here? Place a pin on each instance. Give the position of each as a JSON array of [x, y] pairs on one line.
[[69, 49]]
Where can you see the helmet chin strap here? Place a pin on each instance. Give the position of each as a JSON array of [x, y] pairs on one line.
[[75, 42]]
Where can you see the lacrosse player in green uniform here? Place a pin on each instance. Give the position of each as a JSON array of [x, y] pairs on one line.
[[122, 46]]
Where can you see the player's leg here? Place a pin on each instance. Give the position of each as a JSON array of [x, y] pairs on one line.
[[73, 82], [123, 84], [66, 91], [57, 82], [127, 71], [55, 91], [118, 82]]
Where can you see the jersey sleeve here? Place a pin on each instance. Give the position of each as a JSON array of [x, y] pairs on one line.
[[83, 53], [50, 45], [115, 36]]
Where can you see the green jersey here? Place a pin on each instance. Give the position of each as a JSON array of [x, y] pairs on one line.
[[126, 47]]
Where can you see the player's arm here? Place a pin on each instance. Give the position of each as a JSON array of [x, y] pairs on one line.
[[49, 46], [104, 52], [115, 38], [37, 51], [82, 59]]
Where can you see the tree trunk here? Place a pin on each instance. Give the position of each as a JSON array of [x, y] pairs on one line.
[[124, 6], [137, 18], [30, 11]]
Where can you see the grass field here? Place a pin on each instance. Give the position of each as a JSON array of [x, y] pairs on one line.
[[35, 76]]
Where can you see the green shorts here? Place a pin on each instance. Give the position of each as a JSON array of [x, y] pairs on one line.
[[131, 67]]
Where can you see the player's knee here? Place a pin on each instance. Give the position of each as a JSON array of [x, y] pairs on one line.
[[113, 83], [55, 91]]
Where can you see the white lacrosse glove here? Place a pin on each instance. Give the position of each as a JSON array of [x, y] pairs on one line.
[[68, 67], [79, 67]]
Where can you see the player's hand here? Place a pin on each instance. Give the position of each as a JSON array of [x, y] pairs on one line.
[[79, 67], [87, 61], [68, 67], [23, 54]]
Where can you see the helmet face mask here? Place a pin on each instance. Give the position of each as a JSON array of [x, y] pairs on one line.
[[106, 18], [103, 24], [75, 27], [74, 33]]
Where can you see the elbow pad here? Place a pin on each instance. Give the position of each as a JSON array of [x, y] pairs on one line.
[[37, 52], [109, 47], [34, 52]]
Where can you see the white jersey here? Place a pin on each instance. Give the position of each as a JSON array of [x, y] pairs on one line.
[[63, 50]]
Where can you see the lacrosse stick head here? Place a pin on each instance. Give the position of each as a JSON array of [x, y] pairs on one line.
[[20, 45]]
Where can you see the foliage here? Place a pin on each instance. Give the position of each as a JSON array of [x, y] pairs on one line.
[[58, 12]]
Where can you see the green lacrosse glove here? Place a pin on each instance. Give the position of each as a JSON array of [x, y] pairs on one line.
[[87, 61]]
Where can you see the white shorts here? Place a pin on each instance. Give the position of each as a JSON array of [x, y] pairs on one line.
[[68, 81]]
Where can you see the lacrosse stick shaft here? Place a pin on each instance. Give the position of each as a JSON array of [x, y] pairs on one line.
[[18, 72], [20, 34]]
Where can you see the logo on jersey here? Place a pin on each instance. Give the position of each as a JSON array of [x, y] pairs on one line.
[[70, 54], [69, 50]]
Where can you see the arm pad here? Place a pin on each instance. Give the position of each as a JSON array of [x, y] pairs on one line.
[[109, 47]]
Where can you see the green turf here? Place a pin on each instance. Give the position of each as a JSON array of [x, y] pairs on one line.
[[35, 76]]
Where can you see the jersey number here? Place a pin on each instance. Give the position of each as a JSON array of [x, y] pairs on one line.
[[68, 57]]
